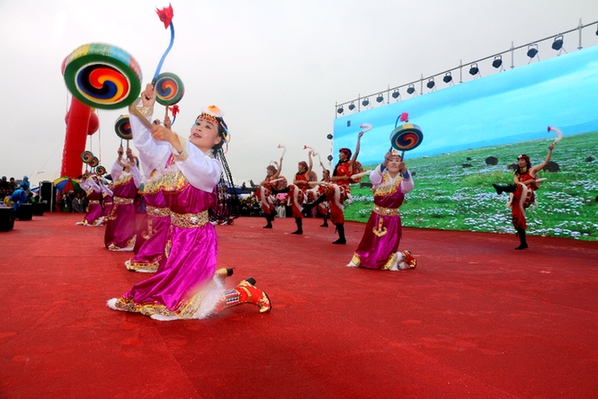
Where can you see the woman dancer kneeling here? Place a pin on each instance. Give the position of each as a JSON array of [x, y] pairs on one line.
[[379, 245], [186, 287]]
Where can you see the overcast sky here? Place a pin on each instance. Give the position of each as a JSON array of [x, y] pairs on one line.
[[276, 68]]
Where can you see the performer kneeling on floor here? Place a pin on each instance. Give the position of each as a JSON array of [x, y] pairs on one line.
[[187, 288], [379, 245]]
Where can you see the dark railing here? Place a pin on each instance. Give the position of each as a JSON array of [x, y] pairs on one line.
[[384, 97]]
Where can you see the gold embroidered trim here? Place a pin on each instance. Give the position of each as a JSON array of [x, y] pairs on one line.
[[94, 201], [392, 259], [145, 111], [158, 212], [356, 260], [173, 182], [190, 220], [386, 189], [186, 309], [122, 180], [122, 201], [152, 187], [380, 230], [380, 210]]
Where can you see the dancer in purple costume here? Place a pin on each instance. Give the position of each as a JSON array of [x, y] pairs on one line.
[[107, 201], [120, 222], [379, 245], [186, 288], [151, 255], [93, 192]]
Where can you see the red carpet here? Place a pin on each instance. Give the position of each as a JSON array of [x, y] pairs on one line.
[[475, 319]]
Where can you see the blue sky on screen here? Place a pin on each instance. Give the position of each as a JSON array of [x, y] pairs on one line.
[[513, 106]]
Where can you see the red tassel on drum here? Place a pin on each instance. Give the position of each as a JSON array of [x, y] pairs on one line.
[[165, 15], [404, 117]]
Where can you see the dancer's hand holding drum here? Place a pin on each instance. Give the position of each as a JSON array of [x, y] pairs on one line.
[[148, 96]]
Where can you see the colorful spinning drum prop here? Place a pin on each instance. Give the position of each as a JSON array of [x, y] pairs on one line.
[[122, 127], [102, 76], [100, 170], [94, 162], [406, 137], [169, 89], [86, 156]]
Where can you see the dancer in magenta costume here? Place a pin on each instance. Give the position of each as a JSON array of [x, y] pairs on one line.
[[151, 255], [379, 245], [107, 201], [93, 192], [120, 222], [186, 287]]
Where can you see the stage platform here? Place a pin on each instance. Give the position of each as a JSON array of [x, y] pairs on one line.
[[475, 319]]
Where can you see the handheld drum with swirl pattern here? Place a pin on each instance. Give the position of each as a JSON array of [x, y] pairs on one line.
[[407, 136], [102, 76], [169, 90], [122, 127]]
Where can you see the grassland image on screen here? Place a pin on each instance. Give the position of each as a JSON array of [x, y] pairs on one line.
[[501, 116]]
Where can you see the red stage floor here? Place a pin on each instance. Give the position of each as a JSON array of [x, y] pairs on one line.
[[475, 319]]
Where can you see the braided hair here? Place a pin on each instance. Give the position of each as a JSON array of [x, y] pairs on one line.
[[228, 205]]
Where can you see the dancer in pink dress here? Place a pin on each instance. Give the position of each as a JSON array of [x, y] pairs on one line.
[[120, 222], [379, 245], [187, 288], [152, 253], [93, 191]]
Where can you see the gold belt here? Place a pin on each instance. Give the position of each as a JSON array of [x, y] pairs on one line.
[[158, 212], [94, 201], [380, 210], [189, 220], [122, 201]]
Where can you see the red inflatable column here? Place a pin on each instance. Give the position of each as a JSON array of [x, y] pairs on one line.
[[75, 139]]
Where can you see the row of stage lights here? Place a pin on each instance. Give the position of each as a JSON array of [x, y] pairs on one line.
[[532, 52]]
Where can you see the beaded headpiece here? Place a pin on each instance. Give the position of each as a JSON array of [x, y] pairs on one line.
[[213, 114]]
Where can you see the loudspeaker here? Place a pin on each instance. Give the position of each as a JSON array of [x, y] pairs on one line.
[[47, 196], [24, 212], [7, 219]]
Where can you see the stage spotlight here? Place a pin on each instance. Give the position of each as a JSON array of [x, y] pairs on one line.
[[379, 98], [411, 89], [329, 157], [558, 43], [447, 78], [532, 50], [351, 107], [474, 70], [340, 110], [395, 94], [431, 83], [497, 63], [329, 137], [365, 102]]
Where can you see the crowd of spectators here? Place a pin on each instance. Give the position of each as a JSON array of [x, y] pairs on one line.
[[75, 200], [15, 193]]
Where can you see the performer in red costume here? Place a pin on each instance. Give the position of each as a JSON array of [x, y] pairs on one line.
[[339, 190], [525, 184], [264, 192], [297, 191]]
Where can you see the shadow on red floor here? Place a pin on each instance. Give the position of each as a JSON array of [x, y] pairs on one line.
[[475, 319]]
